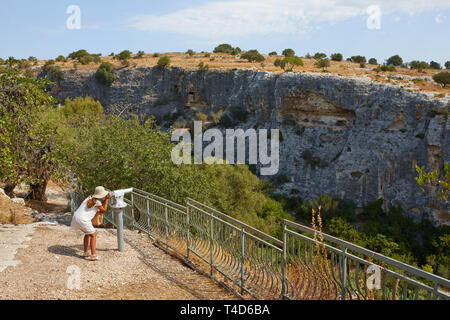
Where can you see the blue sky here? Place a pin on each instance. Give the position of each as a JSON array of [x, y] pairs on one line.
[[416, 30]]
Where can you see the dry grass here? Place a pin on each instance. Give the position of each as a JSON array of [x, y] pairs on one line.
[[223, 61], [13, 213]]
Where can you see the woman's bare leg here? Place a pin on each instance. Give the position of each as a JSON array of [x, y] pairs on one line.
[[86, 243], [93, 243]]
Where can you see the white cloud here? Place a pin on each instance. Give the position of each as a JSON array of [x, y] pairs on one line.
[[226, 19]]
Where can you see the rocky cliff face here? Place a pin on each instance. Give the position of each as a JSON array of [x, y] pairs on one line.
[[347, 137]]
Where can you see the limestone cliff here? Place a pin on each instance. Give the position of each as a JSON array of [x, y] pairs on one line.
[[348, 137]]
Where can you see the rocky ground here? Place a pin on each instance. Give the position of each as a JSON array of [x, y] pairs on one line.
[[43, 260]]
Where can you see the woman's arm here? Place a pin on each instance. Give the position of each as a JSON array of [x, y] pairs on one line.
[[102, 209]]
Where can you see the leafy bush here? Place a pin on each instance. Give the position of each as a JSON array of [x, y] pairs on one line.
[[140, 54], [60, 58], [443, 78], [273, 53], [82, 109], [190, 52], [419, 65], [322, 63], [447, 65], [394, 61], [236, 51], [319, 55], [362, 64], [53, 72], [373, 61], [156, 55], [124, 55], [358, 59], [384, 68], [105, 74], [336, 57], [288, 53], [223, 48], [288, 63], [203, 66], [435, 65], [164, 62], [253, 56]]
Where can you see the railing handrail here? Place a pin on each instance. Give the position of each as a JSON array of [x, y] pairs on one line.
[[237, 222], [406, 267]]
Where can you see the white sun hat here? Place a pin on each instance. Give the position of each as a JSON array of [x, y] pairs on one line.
[[100, 192]]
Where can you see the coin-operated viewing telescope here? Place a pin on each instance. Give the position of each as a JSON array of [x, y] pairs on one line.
[[118, 196]]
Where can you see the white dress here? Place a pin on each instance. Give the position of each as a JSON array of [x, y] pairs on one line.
[[81, 219]]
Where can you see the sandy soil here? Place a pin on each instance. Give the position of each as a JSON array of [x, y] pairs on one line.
[[45, 268]]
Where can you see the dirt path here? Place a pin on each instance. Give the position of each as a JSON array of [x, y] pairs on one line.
[[47, 261]]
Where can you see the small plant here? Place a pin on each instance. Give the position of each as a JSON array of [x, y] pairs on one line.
[[435, 65], [156, 55], [322, 63], [443, 78], [253, 56], [362, 64], [164, 62], [336, 57], [319, 55], [60, 58], [140, 54], [394, 61], [223, 48], [190, 52], [273, 53], [288, 53], [373, 61], [447, 65], [203, 66], [236, 51], [54, 72], [357, 59], [105, 74], [288, 63], [207, 55]]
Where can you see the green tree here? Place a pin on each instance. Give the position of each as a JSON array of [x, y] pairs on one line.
[[447, 65], [336, 57], [223, 48], [140, 54], [358, 59], [288, 53], [253, 56], [124, 55], [190, 52], [440, 181], [394, 61], [273, 53], [288, 63], [105, 74], [419, 65], [322, 63], [60, 58], [164, 62], [373, 61], [319, 55], [26, 145]]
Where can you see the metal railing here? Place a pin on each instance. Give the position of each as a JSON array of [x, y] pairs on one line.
[[304, 265]]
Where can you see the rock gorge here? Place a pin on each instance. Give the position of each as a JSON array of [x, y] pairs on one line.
[[344, 136]]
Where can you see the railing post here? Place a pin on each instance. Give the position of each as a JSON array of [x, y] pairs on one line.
[[148, 216], [187, 231], [242, 259], [283, 264], [211, 246], [119, 226], [344, 272], [436, 290], [166, 222]]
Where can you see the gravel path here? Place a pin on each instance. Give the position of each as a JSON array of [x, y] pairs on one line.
[[47, 261]]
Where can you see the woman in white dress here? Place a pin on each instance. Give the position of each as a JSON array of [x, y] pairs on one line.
[[82, 219]]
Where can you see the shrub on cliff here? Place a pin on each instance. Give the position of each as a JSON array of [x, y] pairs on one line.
[[273, 53], [288, 63], [322, 63], [336, 57], [358, 59], [105, 74], [443, 78], [223, 48], [319, 55], [190, 52], [164, 62], [288, 53], [435, 65], [419, 65], [373, 61], [394, 61], [140, 54], [253, 56], [203, 66], [447, 65], [53, 72], [236, 51]]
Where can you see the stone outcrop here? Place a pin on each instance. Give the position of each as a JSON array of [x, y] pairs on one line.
[[345, 136]]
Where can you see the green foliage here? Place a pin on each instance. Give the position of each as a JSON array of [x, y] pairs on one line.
[[53, 72], [384, 68], [373, 61], [419, 65], [435, 65], [223, 48], [336, 57], [443, 78], [447, 65], [435, 179], [190, 52], [288, 63], [124, 55], [105, 74], [82, 109], [164, 61], [85, 57], [203, 66], [25, 144], [140, 54], [156, 55], [288, 53], [253, 56], [319, 55], [358, 59], [322, 63], [394, 61], [60, 58], [273, 53], [236, 51]]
